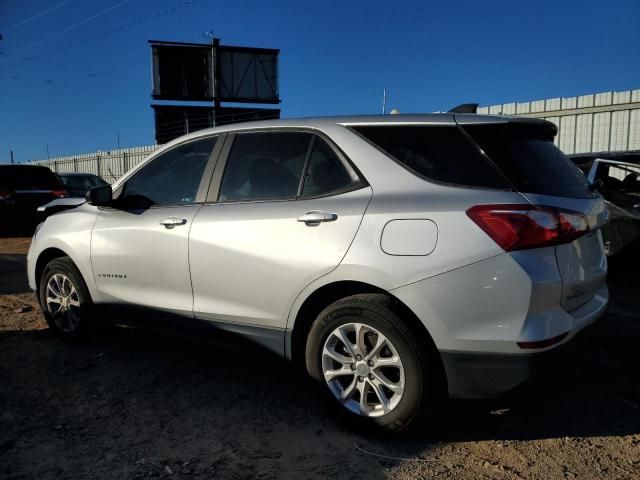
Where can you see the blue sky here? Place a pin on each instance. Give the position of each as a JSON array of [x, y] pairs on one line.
[[91, 80]]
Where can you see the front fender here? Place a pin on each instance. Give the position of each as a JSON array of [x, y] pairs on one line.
[[69, 232]]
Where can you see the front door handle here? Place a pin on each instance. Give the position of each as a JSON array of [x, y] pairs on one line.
[[314, 218], [171, 222]]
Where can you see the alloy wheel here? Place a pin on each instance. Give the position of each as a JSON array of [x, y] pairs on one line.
[[63, 303], [363, 369]]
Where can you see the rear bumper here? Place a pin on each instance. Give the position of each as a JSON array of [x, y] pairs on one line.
[[487, 375], [478, 315]]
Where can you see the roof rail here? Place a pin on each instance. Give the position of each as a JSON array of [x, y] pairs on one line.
[[465, 108]]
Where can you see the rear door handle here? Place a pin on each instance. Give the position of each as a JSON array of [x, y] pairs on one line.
[[171, 222], [314, 218]]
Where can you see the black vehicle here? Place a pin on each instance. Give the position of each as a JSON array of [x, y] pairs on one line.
[[77, 184], [23, 188]]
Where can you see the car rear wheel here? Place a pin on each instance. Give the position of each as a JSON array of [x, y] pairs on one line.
[[64, 298], [371, 366]]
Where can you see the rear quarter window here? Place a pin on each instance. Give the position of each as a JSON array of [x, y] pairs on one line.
[[526, 155], [439, 153]]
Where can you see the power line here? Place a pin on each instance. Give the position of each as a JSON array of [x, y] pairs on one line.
[[168, 10], [34, 17], [82, 74], [133, 23], [53, 84], [70, 27]]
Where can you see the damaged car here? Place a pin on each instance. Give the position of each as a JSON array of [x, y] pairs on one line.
[[619, 183]]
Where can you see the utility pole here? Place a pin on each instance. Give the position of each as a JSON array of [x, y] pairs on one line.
[[47, 151], [11, 154], [384, 101], [215, 43]]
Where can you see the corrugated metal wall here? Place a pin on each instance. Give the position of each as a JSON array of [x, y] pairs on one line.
[[609, 122], [109, 165]]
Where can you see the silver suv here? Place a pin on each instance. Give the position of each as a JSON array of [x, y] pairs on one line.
[[399, 259]]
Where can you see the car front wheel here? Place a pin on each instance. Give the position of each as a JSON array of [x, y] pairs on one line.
[[64, 298]]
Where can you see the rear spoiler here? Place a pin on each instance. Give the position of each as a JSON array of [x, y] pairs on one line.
[[538, 123], [547, 126]]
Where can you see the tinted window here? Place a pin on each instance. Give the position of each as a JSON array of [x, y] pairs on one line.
[[81, 182], [326, 172], [439, 153], [264, 166], [527, 156], [20, 177], [172, 178]]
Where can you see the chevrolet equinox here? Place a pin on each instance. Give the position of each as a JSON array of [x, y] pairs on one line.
[[398, 259]]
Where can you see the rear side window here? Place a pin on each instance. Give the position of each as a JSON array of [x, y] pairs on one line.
[[527, 156], [326, 173], [16, 177], [439, 153], [264, 166]]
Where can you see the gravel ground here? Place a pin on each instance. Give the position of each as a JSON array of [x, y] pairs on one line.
[[135, 403]]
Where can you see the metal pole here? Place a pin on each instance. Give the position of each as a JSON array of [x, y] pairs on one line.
[[47, 151], [11, 155], [384, 101], [215, 43]]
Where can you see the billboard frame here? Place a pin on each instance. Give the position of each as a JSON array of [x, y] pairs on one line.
[[215, 72]]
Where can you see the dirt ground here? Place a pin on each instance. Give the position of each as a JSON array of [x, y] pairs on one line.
[[135, 403]]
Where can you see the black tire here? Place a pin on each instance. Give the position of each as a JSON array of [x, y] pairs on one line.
[[82, 323], [423, 390]]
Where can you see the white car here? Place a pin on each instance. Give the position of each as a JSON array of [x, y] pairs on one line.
[[399, 258]]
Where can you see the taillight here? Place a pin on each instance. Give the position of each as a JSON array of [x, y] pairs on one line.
[[572, 225], [60, 193], [518, 227], [4, 194]]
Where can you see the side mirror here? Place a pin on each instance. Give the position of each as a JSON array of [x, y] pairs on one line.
[[99, 196]]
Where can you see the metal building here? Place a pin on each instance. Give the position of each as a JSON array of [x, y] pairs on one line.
[[595, 125]]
